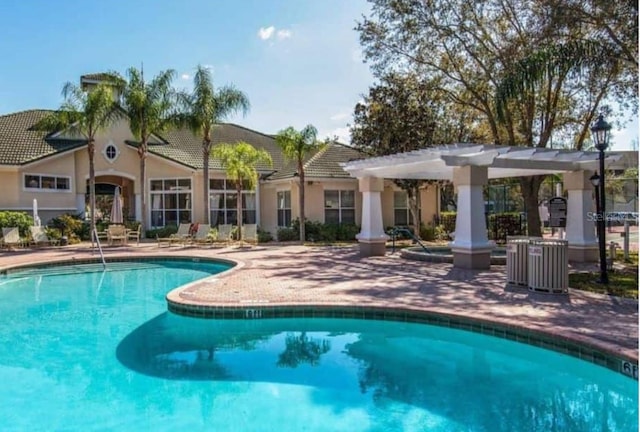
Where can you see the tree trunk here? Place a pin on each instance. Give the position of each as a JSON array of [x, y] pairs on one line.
[[412, 198], [91, 149], [142, 153], [206, 150], [239, 208], [530, 187], [301, 202]]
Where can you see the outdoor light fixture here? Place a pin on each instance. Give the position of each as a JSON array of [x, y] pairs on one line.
[[600, 132]]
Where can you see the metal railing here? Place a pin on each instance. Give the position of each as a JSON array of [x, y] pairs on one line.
[[395, 231], [94, 234]]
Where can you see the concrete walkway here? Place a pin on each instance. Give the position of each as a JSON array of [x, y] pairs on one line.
[[299, 275]]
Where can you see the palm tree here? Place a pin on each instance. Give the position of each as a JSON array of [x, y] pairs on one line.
[[203, 108], [239, 161], [150, 107], [85, 112], [296, 145]]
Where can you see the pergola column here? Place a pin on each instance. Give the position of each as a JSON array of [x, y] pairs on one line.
[[581, 228], [372, 238], [471, 247]]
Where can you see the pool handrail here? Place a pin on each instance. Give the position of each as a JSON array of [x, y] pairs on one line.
[[401, 230], [94, 233]]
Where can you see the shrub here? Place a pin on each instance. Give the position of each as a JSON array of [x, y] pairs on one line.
[[427, 233], [319, 232], [347, 232], [448, 221], [441, 233], [288, 234], [502, 225], [13, 219], [162, 232], [327, 233], [71, 226], [264, 236]]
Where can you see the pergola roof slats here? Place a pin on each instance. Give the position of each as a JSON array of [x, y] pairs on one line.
[[438, 163]]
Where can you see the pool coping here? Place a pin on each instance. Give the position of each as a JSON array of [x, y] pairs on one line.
[[582, 349], [413, 253], [585, 348]]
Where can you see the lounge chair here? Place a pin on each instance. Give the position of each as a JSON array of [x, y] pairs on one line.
[[11, 237], [116, 233], [183, 235], [224, 234], [39, 236], [135, 234], [249, 234], [102, 235], [202, 236]]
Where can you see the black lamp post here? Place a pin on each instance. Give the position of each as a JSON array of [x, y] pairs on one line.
[[600, 133]]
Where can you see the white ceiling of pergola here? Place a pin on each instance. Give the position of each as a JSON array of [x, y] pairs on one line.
[[438, 163]]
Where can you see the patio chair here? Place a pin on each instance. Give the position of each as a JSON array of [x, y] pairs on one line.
[[135, 234], [11, 237], [102, 235], [250, 234], [116, 233], [39, 236], [224, 234], [202, 236], [183, 235]]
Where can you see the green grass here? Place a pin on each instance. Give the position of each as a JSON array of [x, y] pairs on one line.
[[622, 282]]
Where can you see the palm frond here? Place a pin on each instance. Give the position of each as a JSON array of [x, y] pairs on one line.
[[548, 61], [295, 144], [240, 161]]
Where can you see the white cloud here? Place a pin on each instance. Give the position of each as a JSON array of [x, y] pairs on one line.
[[266, 32], [208, 66], [343, 134], [283, 34], [185, 76], [339, 116]]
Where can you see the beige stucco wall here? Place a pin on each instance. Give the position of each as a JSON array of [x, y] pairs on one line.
[[53, 200], [428, 204], [127, 166], [11, 189], [314, 200], [268, 208]]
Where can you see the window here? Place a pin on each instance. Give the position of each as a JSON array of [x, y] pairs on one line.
[[401, 213], [223, 203], [47, 182], [284, 208], [111, 152], [339, 206], [170, 202]]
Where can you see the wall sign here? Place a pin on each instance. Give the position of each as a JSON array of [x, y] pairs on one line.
[[557, 212]]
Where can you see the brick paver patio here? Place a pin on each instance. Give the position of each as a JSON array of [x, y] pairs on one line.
[[299, 275]]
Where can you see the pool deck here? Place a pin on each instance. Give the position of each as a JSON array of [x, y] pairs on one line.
[[295, 275]]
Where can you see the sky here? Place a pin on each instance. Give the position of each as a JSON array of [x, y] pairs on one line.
[[298, 61]]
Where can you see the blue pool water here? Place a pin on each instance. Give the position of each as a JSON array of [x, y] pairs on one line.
[[89, 350]]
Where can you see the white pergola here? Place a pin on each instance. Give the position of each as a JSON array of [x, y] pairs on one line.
[[469, 166]]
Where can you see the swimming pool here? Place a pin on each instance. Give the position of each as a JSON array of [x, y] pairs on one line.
[[93, 350]]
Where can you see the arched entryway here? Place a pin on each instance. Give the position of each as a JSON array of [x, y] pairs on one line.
[[105, 189]]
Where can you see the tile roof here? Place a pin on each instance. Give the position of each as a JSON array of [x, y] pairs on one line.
[[186, 148], [96, 76], [324, 163], [21, 143]]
